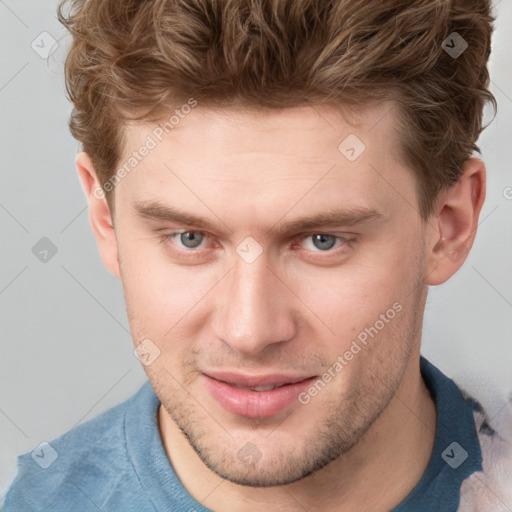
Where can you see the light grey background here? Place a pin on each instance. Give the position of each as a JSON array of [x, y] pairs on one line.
[[66, 351]]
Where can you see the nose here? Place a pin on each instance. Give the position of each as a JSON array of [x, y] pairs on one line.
[[256, 307]]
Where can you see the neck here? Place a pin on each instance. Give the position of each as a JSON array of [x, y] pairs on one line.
[[389, 459]]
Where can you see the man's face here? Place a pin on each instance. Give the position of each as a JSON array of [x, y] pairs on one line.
[[248, 295]]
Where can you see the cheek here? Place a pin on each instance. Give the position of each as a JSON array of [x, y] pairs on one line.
[[348, 301], [154, 293], [347, 297]]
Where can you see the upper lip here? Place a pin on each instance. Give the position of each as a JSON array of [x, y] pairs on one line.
[[256, 380]]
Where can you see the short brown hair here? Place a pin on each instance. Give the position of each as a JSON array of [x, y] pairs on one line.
[[138, 59]]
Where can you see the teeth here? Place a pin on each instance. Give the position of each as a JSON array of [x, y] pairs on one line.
[[269, 387], [263, 388]]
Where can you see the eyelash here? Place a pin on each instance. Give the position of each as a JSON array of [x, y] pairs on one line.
[[194, 253]]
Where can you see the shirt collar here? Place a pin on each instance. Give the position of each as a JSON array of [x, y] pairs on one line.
[[456, 453]]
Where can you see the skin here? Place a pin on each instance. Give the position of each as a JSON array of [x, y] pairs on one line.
[[294, 309]]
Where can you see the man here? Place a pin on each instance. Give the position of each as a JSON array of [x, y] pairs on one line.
[[276, 184]]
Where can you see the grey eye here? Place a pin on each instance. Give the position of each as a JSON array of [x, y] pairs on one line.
[[191, 239], [324, 242]]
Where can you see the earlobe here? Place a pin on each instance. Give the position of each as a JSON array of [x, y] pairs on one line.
[[99, 213], [455, 223]]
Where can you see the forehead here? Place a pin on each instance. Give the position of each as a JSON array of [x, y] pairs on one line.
[[298, 131], [256, 161]]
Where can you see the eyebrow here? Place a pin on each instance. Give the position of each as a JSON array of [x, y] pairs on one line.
[[331, 218]]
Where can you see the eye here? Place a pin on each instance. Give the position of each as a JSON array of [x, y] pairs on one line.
[[321, 241], [190, 243], [324, 242], [189, 239]]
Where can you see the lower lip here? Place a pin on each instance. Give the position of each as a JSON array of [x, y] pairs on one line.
[[255, 404]]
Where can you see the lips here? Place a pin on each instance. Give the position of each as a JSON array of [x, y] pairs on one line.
[[269, 387], [255, 396], [248, 381]]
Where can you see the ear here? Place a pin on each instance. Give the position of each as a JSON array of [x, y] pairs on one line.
[[99, 213], [455, 222]]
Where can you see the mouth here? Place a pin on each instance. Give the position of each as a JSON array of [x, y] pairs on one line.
[[270, 387], [256, 396]]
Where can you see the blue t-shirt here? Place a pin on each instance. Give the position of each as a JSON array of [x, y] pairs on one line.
[[117, 461]]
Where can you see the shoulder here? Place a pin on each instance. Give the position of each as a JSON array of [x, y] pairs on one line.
[[86, 461], [490, 489]]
